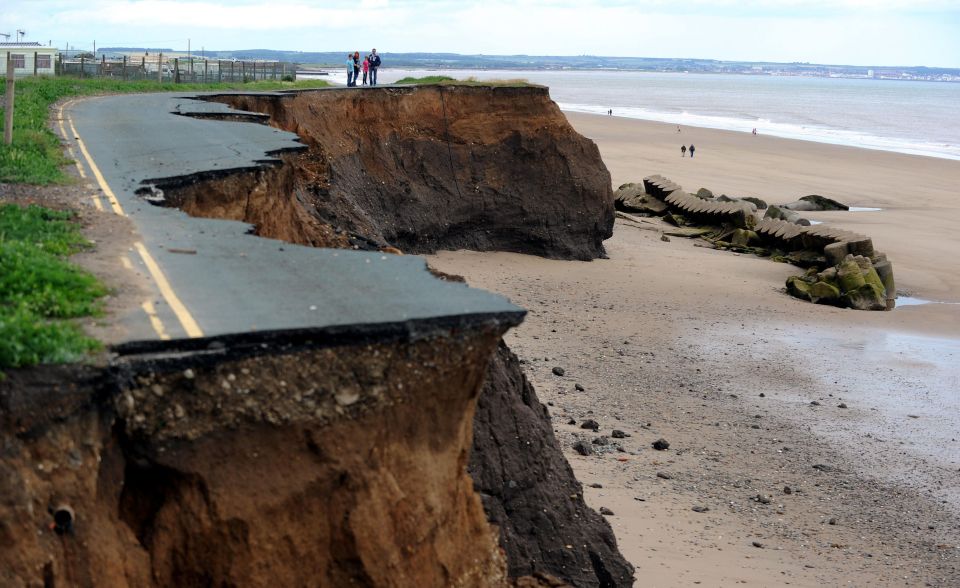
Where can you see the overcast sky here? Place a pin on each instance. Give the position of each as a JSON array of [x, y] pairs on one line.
[[859, 32]]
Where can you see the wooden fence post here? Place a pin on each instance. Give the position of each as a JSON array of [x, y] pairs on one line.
[[83, 67], [8, 105], [124, 68]]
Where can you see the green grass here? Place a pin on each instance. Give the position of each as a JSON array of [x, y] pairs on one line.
[[40, 292], [35, 157], [425, 80], [471, 81]]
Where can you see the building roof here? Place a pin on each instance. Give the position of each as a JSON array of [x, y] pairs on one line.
[[22, 44]]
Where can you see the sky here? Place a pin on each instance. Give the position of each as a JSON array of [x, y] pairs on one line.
[[854, 32]]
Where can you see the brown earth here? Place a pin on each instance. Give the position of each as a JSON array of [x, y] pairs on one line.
[[235, 475], [321, 465], [420, 169]]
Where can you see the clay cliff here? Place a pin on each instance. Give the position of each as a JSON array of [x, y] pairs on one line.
[[329, 457], [419, 169], [301, 463]]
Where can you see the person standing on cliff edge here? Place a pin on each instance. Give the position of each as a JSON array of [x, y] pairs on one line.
[[349, 70], [374, 66]]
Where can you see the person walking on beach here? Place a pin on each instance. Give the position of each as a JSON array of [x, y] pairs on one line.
[[366, 68], [349, 70], [683, 151], [692, 149], [374, 66]]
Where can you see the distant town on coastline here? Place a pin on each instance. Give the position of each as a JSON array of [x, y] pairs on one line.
[[585, 62]]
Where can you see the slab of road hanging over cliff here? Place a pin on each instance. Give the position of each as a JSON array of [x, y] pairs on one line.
[[210, 276]]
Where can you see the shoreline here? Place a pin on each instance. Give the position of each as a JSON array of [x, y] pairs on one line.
[[744, 126], [676, 341]]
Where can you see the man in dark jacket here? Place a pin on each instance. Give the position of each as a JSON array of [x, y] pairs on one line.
[[374, 66]]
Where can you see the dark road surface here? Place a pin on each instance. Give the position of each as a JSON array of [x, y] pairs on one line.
[[237, 282]]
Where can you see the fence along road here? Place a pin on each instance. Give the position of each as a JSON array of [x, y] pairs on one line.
[[175, 69]]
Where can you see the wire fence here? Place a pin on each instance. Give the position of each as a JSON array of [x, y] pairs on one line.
[[178, 70]]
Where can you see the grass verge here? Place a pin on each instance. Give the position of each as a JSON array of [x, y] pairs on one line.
[[40, 292], [35, 157]]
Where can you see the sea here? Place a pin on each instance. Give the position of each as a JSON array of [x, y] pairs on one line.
[[916, 117]]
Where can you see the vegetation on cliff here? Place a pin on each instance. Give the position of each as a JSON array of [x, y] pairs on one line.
[[471, 81]]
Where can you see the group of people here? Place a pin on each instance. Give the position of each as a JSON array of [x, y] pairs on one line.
[[684, 149], [369, 67]]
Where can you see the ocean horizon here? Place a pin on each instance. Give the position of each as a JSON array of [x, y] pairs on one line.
[[912, 117]]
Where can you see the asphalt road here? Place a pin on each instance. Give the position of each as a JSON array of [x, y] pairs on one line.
[[237, 282]]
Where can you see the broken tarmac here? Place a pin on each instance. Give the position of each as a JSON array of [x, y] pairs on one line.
[[212, 278]]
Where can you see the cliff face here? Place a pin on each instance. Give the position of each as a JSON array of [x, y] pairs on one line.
[[529, 490], [422, 169], [303, 465], [329, 458]]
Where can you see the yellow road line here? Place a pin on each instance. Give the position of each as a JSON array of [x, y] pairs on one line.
[[125, 262], [155, 321], [63, 133], [190, 326], [114, 203], [96, 202], [183, 315]]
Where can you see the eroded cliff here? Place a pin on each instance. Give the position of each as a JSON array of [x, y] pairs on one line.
[[419, 169], [251, 464], [329, 458]]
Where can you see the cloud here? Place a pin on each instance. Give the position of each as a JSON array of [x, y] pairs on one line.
[[848, 31]]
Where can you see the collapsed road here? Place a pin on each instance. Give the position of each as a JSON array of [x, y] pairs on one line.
[[282, 412]]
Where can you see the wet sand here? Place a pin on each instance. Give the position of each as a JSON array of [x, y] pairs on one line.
[[676, 341]]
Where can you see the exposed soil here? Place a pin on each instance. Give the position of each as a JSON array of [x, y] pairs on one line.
[[529, 490], [159, 459], [419, 169], [318, 465]]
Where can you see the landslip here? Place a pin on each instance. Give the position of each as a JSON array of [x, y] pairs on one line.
[[408, 454]]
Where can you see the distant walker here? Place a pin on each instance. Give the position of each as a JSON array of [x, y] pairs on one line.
[[683, 150], [692, 149]]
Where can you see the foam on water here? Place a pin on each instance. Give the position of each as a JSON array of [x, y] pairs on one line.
[[815, 133]]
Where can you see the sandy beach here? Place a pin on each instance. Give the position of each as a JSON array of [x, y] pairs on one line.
[[751, 387]]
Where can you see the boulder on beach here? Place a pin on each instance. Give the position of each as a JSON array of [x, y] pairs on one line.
[[633, 198], [815, 202], [778, 212], [704, 194], [824, 293], [761, 204], [743, 237], [854, 283]]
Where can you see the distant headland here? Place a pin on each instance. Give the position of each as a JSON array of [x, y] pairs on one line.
[[587, 62]]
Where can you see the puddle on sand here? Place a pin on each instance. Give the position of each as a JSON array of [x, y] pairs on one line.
[[863, 209], [912, 301], [904, 389]]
